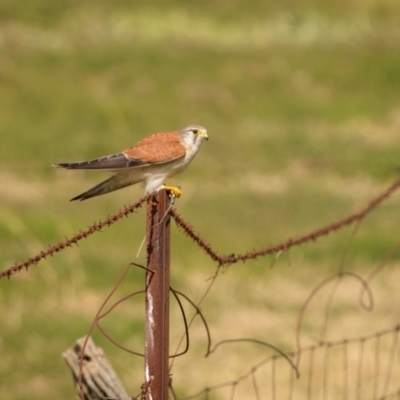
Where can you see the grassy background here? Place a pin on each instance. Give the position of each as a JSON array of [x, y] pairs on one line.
[[301, 101]]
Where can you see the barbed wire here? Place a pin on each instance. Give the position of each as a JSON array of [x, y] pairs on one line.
[[310, 237], [189, 231], [222, 260], [95, 227]]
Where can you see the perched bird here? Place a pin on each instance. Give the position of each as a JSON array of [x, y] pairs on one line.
[[151, 161]]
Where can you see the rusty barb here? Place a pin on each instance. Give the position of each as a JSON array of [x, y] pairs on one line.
[[96, 227], [207, 248], [312, 236]]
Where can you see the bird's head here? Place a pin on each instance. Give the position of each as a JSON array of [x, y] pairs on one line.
[[193, 134]]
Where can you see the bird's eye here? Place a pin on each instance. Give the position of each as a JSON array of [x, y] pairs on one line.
[[195, 131]]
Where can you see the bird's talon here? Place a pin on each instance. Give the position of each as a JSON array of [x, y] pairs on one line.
[[173, 191]]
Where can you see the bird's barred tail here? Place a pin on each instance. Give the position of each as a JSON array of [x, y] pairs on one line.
[[109, 185]]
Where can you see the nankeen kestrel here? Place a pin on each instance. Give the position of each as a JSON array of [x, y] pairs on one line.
[[151, 161]]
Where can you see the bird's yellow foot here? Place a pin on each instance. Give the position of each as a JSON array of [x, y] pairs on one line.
[[173, 191]]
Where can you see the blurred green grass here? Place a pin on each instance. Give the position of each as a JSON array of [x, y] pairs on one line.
[[301, 101]]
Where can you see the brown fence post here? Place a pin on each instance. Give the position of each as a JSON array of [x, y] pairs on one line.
[[157, 297]]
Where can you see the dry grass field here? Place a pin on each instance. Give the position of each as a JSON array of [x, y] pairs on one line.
[[302, 104]]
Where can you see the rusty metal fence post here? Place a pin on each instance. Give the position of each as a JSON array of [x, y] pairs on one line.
[[157, 297]]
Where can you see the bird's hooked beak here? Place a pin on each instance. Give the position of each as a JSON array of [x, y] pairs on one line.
[[203, 133]]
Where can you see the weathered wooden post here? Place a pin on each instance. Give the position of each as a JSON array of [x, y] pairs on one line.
[[157, 297]]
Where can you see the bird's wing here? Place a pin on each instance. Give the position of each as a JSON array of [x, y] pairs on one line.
[[159, 148]]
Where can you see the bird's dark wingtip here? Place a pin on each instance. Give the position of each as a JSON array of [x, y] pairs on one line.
[[79, 197], [60, 165]]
